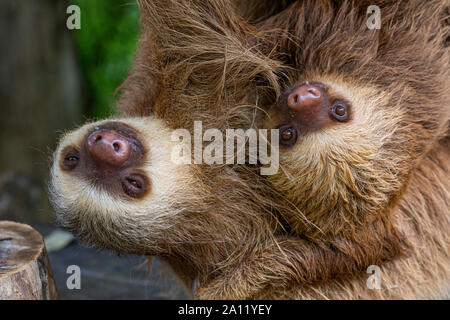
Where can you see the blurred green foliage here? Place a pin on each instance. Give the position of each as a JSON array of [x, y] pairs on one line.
[[106, 45]]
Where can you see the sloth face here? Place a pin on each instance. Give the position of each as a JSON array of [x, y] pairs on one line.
[[309, 107], [113, 181], [339, 166], [110, 157]]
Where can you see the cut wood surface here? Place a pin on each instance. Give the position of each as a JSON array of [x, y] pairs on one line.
[[25, 272]]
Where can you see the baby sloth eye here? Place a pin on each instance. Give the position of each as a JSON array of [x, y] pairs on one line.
[[288, 135], [340, 111]]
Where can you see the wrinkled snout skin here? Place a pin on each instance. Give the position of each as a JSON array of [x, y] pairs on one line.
[[108, 147]]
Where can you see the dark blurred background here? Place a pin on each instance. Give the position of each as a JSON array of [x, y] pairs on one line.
[[51, 80]]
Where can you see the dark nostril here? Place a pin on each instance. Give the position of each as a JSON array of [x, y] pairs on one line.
[[108, 148], [97, 138], [118, 146], [306, 96]]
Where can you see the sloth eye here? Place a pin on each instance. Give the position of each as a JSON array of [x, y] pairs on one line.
[[71, 159], [288, 135], [134, 185], [340, 111]]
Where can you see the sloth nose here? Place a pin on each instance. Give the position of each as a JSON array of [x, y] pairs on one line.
[[306, 96], [108, 148]]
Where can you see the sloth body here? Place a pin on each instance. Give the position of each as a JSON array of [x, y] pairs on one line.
[[364, 151]]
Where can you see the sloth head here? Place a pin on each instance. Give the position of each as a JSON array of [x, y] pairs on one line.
[[115, 185], [346, 150], [358, 108], [113, 181], [334, 167]]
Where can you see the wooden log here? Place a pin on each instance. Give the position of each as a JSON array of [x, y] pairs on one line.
[[25, 272]]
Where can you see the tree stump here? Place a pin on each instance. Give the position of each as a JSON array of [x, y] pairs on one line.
[[25, 272]]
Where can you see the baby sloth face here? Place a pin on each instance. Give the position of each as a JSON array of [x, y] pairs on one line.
[[338, 163], [309, 107], [113, 181]]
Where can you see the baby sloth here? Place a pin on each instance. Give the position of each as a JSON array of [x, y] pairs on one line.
[[363, 118]]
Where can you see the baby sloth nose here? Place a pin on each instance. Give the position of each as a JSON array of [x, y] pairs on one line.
[[108, 148], [306, 96]]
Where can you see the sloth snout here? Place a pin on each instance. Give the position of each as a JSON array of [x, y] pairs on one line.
[[308, 108], [306, 96], [108, 148]]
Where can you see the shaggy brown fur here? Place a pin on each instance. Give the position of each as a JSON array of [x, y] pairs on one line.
[[373, 191]]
